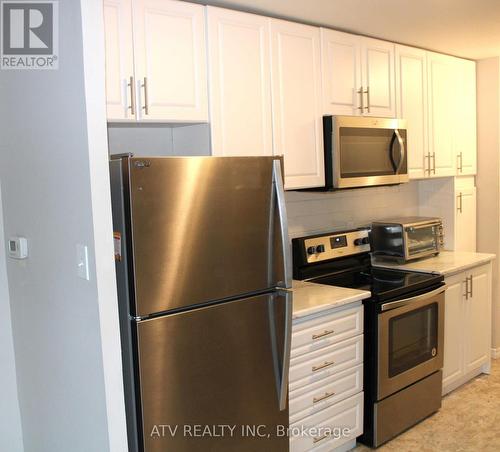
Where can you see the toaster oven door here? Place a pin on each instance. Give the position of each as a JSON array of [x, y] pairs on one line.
[[422, 240]]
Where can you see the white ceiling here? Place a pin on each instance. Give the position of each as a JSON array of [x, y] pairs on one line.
[[466, 28]]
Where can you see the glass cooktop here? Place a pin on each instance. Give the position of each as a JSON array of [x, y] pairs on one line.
[[383, 284]]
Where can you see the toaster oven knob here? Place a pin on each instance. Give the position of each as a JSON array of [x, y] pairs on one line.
[[360, 242], [320, 249], [311, 250]]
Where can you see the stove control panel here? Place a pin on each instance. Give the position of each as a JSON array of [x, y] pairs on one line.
[[331, 246]]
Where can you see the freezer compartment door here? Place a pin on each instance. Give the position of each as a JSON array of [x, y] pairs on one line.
[[224, 365], [205, 228]]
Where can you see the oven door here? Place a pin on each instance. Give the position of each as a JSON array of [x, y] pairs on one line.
[[369, 151], [423, 239], [410, 340]]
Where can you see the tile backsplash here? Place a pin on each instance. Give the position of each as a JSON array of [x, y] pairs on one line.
[[317, 212]]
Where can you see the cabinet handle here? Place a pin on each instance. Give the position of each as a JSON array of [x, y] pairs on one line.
[[360, 92], [131, 84], [146, 98], [323, 397], [323, 366], [459, 208], [461, 159], [433, 163], [320, 438], [367, 92], [323, 334], [471, 286]]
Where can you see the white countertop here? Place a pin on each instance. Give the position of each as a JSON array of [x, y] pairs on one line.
[[445, 263], [310, 298]]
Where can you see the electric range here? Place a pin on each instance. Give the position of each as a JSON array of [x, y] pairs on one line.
[[403, 328]]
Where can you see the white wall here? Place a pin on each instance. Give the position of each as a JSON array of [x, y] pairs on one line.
[[487, 181], [159, 140], [48, 192], [310, 212], [11, 438]]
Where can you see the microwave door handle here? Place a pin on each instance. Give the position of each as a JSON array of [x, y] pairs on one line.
[[391, 153], [401, 149]]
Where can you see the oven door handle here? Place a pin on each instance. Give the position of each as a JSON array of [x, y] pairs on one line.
[[406, 301]]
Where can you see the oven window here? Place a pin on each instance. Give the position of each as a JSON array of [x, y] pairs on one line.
[[413, 338], [422, 239], [368, 152]]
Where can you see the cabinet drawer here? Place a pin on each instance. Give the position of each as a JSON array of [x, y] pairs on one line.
[[326, 330], [315, 366], [323, 431], [310, 399]]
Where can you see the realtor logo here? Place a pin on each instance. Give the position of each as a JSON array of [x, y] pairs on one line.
[[29, 35]]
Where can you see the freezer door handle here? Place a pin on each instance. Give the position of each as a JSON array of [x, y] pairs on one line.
[[285, 246], [283, 393]]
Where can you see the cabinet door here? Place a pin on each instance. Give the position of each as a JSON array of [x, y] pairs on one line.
[[465, 111], [240, 83], [465, 220], [170, 60], [378, 77], [119, 60], [341, 72], [441, 99], [411, 95], [296, 94], [478, 319], [454, 335]]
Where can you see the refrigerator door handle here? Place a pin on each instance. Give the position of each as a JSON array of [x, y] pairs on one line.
[[285, 246], [286, 348]]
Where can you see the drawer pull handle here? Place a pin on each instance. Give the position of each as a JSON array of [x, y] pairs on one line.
[[323, 397], [320, 438], [321, 335], [323, 366]]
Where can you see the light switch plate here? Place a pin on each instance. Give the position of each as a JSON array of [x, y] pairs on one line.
[[82, 261]]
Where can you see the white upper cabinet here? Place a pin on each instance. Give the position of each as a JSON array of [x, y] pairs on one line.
[[378, 77], [358, 75], [341, 72], [155, 61], [411, 100], [170, 60], [465, 133], [465, 219], [119, 60], [240, 83], [441, 95], [296, 95]]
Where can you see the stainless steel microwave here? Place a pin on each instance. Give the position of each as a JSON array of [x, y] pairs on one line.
[[364, 151], [407, 238]]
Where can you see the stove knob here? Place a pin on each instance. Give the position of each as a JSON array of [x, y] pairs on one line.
[[311, 250], [360, 242], [320, 249]]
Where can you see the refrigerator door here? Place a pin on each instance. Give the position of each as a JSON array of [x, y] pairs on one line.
[[215, 377], [205, 229]]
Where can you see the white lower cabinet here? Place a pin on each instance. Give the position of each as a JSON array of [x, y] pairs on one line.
[[467, 331], [326, 380]]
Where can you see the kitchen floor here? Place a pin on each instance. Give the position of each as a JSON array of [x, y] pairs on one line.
[[468, 421]]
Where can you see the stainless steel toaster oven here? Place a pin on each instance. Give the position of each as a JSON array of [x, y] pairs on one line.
[[407, 238]]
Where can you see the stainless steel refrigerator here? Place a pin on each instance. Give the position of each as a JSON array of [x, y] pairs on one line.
[[203, 269]]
